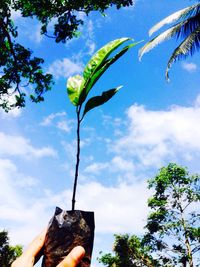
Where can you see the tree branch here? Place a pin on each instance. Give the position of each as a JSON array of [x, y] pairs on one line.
[[4, 28]]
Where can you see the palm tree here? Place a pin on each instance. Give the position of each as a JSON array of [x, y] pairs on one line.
[[185, 26]]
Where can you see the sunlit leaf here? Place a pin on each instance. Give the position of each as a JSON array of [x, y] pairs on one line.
[[95, 64], [74, 88], [99, 71]]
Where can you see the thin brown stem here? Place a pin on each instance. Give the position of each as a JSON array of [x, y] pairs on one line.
[[77, 157]]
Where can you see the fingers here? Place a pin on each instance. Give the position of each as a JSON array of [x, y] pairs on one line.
[[28, 257], [73, 258], [36, 245]]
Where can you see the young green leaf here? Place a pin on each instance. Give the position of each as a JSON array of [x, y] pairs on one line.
[[100, 100], [74, 88], [96, 62], [100, 70], [101, 55]]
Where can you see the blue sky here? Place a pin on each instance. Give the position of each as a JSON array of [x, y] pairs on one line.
[[148, 124]]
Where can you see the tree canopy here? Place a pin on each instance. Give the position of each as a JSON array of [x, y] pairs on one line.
[[129, 251], [174, 225], [8, 253], [19, 68], [172, 235]]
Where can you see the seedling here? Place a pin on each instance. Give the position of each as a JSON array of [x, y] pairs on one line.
[[68, 229], [78, 88]]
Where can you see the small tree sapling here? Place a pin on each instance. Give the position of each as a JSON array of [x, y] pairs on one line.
[[78, 88], [70, 228]]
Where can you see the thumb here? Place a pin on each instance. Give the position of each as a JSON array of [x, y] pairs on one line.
[[73, 258]]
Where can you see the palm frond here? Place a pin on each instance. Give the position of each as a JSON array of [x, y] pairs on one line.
[[181, 14], [188, 47], [169, 33], [189, 26], [181, 29]]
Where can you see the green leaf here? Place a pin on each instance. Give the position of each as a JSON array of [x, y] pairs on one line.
[[101, 55], [78, 87], [74, 88], [100, 70], [100, 100], [96, 63]]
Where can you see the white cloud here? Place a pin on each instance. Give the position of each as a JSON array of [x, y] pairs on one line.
[[25, 25], [14, 145], [14, 113], [26, 182], [65, 68], [120, 164], [64, 126], [70, 149], [116, 165], [90, 28], [85, 142], [88, 37], [190, 67], [91, 45], [49, 119], [155, 136], [56, 119], [14, 207], [19, 212], [115, 206], [96, 167], [7, 170]]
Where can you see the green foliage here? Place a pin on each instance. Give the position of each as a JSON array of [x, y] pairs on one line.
[[64, 12], [129, 251], [8, 253], [78, 86], [186, 27], [18, 67], [99, 63], [172, 237], [176, 192]]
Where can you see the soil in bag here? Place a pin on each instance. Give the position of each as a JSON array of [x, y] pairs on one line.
[[68, 229]]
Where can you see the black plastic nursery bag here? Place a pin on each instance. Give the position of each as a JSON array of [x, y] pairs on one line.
[[68, 229]]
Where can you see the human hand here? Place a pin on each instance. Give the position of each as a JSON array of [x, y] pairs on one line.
[[27, 259]]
